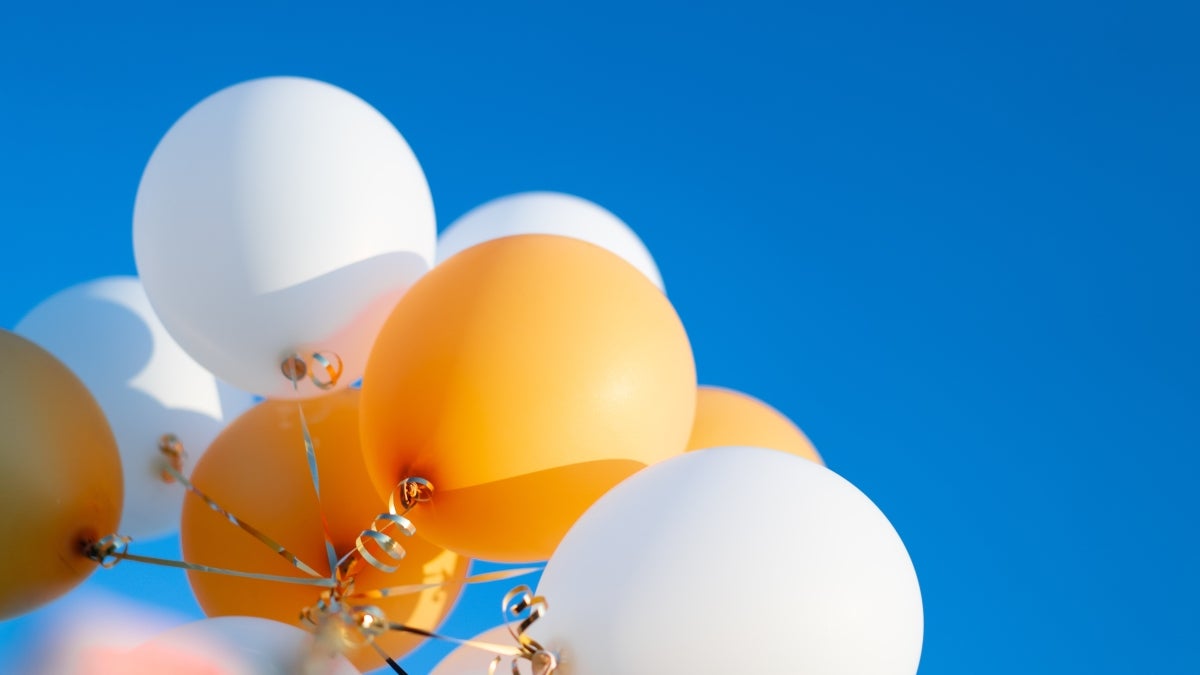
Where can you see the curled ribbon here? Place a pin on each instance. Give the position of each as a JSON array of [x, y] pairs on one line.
[[520, 604], [325, 372], [331, 364], [385, 543], [387, 549]]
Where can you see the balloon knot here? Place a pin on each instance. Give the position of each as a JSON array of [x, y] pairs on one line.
[[109, 550], [172, 449]]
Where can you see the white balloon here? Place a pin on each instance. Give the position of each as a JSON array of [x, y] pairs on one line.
[[281, 216], [732, 560], [236, 645], [106, 332], [547, 213], [468, 660]]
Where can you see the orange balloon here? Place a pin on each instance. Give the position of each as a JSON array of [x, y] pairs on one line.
[[726, 417], [257, 469], [60, 477], [524, 377]]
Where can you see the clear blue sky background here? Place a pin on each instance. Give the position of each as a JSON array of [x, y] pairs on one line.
[[957, 245]]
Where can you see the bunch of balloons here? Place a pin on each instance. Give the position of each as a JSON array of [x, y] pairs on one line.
[[339, 410]]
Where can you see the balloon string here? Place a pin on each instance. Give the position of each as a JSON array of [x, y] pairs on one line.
[[310, 451], [519, 604], [246, 527], [390, 661], [504, 650], [417, 588], [112, 549]]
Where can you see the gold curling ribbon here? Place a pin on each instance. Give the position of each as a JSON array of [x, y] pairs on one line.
[[521, 601], [331, 364], [385, 543], [408, 493], [325, 372], [114, 548]]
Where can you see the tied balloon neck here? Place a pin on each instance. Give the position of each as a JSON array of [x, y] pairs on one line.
[[108, 551], [409, 493], [172, 451], [323, 369]]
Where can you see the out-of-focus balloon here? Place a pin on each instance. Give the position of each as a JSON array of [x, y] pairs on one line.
[[60, 477], [547, 213], [69, 640], [234, 645], [732, 560], [524, 377], [106, 332], [280, 216], [726, 417], [257, 469], [468, 660]]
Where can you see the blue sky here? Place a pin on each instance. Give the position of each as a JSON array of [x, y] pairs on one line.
[[957, 245]]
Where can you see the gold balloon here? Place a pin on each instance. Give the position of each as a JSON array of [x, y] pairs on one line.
[[727, 417], [60, 477]]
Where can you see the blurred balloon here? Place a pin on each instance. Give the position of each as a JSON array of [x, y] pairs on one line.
[[524, 377], [468, 660], [547, 213], [278, 216], [257, 469], [732, 560], [726, 417], [106, 332], [235, 645], [60, 477], [69, 639]]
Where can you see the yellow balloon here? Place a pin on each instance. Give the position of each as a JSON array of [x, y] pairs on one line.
[[726, 417], [60, 477], [524, 377]]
